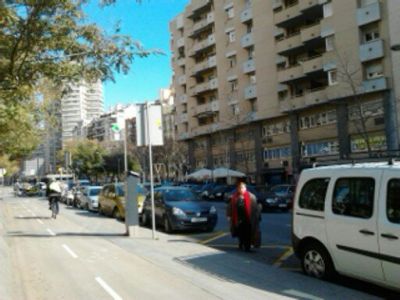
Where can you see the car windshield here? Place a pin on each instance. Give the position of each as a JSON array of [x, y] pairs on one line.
[[279, 190], [94, 192], [179, 195]]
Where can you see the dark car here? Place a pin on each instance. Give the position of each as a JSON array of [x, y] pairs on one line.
[[218, 192], [178, 208], [251, 188], [279, 197]]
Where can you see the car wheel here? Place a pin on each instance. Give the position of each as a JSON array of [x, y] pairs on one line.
[[145, 220], [167, 225], [101, 212], [116, 214], [316, 262]]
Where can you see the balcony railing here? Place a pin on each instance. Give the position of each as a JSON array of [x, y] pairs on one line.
[[247, 40], [289, 44], [310, 33], [371, 50], [313, 64], [369, 14], [180, 42], [203, 23], [250, 92], [208, 108], [246, 15], [308, 4], [199, 4], [182, 79], [205, 65], [249, 66], [288, 16], [374, 85], [291, 104], [203, 44], [182, 98], [206, 86], [315, 96], [292, 73]]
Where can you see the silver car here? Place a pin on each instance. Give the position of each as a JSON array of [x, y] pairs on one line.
[[90, 197]]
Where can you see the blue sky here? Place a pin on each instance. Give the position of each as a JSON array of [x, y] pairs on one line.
[[148, 23]]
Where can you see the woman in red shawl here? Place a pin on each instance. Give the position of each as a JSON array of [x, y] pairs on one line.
[[244, 215]]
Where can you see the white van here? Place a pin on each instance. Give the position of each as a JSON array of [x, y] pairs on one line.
[[346, 219]]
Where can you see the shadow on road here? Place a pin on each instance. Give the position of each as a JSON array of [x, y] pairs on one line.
[[33, 218]]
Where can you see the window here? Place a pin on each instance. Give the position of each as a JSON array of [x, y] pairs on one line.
[[231, 36], [277, 153], [371, 35], [313, 194], [354, 197], [233, 85], [328, 10], [374, 70], [332, 77], [232, 61], [330, 43], [393, 201]]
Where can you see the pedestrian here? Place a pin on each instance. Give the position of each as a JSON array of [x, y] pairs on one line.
[[244, 215]]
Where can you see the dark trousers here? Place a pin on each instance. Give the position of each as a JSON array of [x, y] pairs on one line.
[[244, 234]]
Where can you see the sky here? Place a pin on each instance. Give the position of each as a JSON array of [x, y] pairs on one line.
[[148, 23]]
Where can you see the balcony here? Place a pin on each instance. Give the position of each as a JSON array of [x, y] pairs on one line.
[[203, 44], [249, 66], [206, 86], [310, 33], [200, 25], [313, 64], [209, 63], [183, 135], [179, 21], [368, 14], [180, 42], [250, 92], [289, 74], [291, 104], [374, 85], [290, 16], [247, 40], [306, 5], [371, 50], [206, 109], [183, 118], [290, 44], [182, 80], [277, 4], [246, 15], [278, 31], [315, 96], [180, 61], [182, 99], [199, 5], [281, 88]]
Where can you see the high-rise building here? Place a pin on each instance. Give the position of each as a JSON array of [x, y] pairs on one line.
[[168, 113], [80, 105], [269, 87]]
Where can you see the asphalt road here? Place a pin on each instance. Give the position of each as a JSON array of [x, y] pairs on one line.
[[94, 265]]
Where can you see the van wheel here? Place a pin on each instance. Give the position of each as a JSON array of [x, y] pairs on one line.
[[116, 214], [316, 262]]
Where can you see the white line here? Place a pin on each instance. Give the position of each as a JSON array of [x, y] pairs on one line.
[[51, 232], [108, 289], [278, 263], [68, 249], [40, 221]]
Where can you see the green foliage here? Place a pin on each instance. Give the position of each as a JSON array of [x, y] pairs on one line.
[[50, 40], [87, 157], [10, 166]]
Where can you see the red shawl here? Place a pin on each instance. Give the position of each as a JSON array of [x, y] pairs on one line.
[[247, 205]]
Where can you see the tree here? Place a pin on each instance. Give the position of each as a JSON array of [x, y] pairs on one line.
[[87, 157], [10, 166], [52, 40]]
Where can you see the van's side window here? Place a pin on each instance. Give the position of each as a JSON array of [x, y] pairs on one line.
[[313, 194], [354, 197], [393, 201]]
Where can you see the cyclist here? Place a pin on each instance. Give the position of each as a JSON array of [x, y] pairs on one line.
[[54, 195]]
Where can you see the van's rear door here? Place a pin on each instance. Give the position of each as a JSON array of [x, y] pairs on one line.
[[389, 226]]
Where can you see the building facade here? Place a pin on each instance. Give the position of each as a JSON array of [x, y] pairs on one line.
[[79, 106], [269, 87], [168, 113]]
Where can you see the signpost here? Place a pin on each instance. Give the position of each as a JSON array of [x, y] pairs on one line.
[[149, 132]]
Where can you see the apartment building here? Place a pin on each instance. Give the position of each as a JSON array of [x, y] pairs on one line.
[[269, 87], [80, 105]]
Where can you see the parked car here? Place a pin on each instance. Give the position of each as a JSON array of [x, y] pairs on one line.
[[206, 189], [251, 188], [346, 219], [285, 191], [90, 197], [218, 192], [112, 200], [178, 208]]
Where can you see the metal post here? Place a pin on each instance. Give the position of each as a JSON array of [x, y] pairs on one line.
[[126, 148], [153, 220]]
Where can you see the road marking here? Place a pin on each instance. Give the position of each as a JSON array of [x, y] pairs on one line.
[[236, 245], [68, 249], [51, 232], [216, 236], [300, 295], [40, 221], [289, 252], [108, 289]]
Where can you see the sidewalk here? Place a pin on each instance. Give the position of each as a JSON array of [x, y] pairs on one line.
[[218, 274]]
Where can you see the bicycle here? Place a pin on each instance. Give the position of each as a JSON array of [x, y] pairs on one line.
[[54, 207]]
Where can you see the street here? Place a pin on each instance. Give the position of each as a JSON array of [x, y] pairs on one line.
[[82, 255]]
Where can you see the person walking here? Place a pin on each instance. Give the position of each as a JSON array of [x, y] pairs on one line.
[[244, 215]]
